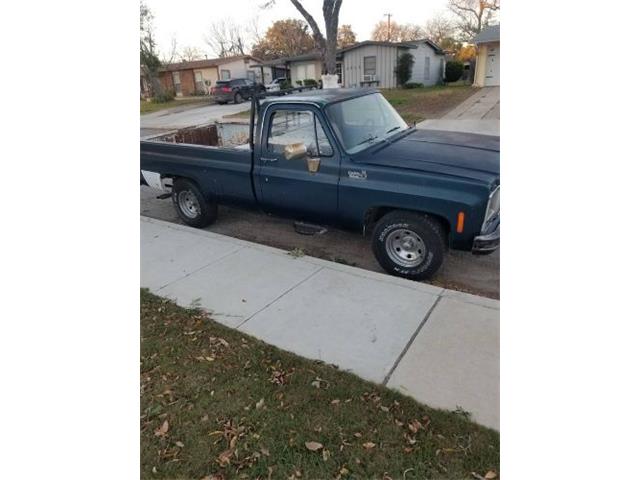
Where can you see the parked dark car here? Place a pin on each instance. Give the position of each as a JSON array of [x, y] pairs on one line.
[[345, 157], [236, 90]]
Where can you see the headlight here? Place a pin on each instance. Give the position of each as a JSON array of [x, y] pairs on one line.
[[493, 206]]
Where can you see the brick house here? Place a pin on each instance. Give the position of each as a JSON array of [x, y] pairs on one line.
[[189, 78]]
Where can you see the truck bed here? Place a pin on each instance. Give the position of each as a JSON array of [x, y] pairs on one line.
[[218, 155]]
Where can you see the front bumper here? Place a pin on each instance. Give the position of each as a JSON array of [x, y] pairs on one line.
[[489, 241]]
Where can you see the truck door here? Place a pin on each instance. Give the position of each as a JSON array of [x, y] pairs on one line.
[[298, 165]]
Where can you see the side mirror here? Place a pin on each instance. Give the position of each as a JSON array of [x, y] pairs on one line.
[[295, 151]]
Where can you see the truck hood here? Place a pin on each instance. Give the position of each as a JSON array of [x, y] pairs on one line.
[[466, 155]]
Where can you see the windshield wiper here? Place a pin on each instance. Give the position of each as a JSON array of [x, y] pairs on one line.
[[367, 140], [393, 129]]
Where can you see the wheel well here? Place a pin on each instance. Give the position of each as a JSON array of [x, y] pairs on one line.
[[208, 194], [374, 214]]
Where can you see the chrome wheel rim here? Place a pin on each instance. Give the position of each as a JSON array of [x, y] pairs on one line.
[[405, 247], [188, 203]]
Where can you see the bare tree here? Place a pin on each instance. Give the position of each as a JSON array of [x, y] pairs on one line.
[[391, 31], [173, 52], [440, 28], [191, 53], [473, 15], [326, 43], [227, 38]]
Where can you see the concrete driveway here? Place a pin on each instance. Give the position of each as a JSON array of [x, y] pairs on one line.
[[480, 113], [188, 116]]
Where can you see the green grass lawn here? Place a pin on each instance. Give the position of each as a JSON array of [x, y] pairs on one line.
[[219, 404], [417, 104], [149, 107]]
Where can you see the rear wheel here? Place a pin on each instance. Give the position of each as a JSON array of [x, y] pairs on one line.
[[237, 98], [409, 245], [191, 205]]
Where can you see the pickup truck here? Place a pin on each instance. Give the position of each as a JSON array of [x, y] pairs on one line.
[[342, 157]]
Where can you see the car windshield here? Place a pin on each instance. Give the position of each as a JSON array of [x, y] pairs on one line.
[[363, 121]]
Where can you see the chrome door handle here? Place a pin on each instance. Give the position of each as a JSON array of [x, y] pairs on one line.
[[268, 160]]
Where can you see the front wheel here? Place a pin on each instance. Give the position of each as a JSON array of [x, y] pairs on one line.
[[409, 245], [191, 205]]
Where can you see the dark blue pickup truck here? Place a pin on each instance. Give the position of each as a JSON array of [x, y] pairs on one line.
[[343, 157]]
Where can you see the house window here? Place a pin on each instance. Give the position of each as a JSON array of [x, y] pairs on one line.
[[199, 82], [176, 83], [427, 68], [251, 75], [225, 74], [339, 73], [296, 126], [369, 66]]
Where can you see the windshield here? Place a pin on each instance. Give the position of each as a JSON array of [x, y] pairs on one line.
[[362, 121]]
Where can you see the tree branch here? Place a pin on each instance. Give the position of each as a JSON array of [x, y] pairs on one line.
[[317, 34]]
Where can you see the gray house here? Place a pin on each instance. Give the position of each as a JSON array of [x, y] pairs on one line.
[[374, 63]]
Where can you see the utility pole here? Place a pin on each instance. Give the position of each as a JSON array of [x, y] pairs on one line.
[[388, 15]]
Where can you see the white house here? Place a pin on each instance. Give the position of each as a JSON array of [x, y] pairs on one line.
[[374, 63], [488, 60]]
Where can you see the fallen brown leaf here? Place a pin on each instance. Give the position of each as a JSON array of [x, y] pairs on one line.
[[490, 475], [369, 445], [313, 446], [224, 458], [163, 429]]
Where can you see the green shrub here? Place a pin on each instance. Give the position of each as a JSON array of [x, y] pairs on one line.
[[404, 68], [310, 82], [453, 71], [299, 83], [413, 85], [164, 97], [286, 85]]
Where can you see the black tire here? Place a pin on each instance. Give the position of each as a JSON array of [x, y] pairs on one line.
[[237, 98], [421, 231], [221, 103], [204, 212]]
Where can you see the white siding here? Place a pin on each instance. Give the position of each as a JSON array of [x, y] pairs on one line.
[[420, 55], [386, 61]]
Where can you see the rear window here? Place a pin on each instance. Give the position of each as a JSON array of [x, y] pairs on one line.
[[222, 83]]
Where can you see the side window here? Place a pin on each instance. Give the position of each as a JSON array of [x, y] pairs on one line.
[[297, 126], [369, 66]]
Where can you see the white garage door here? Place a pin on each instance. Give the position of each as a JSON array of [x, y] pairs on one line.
[[492, 76]]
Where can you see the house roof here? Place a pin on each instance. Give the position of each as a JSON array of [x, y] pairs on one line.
[[297, 58], [382, 44], [488, 34], [213, 62], [432, 44]]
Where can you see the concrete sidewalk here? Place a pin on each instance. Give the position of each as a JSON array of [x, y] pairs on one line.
[[480, 113], [438, 346]]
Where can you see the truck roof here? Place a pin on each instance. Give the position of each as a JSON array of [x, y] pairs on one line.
[[321, 97]]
